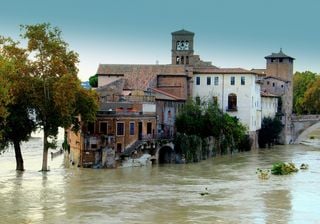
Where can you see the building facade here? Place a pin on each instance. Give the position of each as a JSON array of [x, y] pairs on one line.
[[142, 101]]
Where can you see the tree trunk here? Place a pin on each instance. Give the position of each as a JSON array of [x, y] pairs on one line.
[[45, 152], [19, 159]]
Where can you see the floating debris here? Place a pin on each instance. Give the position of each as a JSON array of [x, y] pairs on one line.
[[283, 168], [204, 193], [263, 173], [304, 166]]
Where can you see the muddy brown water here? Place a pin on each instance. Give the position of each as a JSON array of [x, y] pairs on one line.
[[163, 193]]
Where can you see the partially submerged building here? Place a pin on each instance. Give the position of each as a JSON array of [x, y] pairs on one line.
[[139, 103]]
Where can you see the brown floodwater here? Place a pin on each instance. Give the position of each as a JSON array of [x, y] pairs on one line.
[[164, 193]]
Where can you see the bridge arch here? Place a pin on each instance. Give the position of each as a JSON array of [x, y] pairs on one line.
[[303, 135]]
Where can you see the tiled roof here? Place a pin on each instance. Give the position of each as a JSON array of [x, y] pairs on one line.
[[139, 76], [277, 78], [259, 71], [214, 70], [278, 55], [182, 32], [266, 94], [163, 95]]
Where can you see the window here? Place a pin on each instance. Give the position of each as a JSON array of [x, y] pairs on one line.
[[243, 80], [268, 82], [216, 81], [103, 127], [232, 102], [120, 128], [208, 80], [149, 127], [280, 60], [273, 84], [131, 128], [177, 60], [91, 128], [187, 60], [182, 60], [197, 80], [232, 80]]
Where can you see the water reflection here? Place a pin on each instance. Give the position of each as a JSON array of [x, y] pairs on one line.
[[166, 193]]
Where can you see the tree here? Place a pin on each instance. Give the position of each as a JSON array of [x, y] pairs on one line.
[[93, 81], [311, 99], [189, 119], [19, 125], [56, 90], [301, 82], [269, 132], [5, 97]]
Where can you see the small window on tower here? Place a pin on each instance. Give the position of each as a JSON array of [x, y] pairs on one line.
[[177, 60], [187, 60], [182, 60]]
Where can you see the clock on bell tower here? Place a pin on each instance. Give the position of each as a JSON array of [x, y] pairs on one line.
[[182, 47]]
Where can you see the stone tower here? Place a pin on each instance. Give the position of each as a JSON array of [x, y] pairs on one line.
[[182, 47], [280, 67]]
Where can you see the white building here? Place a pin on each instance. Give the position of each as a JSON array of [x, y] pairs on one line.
[[236, 90]]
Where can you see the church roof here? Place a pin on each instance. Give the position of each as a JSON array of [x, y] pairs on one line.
[[278, 55], [182, 32]]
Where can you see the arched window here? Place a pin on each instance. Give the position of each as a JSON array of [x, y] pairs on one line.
[[232, 102]]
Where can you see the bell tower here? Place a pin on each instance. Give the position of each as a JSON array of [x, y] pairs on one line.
[[182, 47]]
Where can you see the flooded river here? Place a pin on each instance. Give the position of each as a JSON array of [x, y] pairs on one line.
[[164, 193]]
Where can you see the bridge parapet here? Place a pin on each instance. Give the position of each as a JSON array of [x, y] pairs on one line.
[[303, 125], [308, 117]]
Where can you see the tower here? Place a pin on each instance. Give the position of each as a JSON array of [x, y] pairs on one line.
[[280, 66], [182, 47]]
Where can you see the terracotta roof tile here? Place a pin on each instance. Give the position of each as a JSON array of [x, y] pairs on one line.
[[139, 76]]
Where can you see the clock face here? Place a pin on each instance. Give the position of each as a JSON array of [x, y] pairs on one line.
[[182, 45]]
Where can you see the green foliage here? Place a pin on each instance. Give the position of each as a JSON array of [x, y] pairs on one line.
[[205, 120], [311, 99], [189, 146], [93, 81], [283, 168], [57, 95], [269, 132], [303, 81]]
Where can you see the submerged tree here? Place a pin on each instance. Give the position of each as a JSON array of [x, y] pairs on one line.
[[19, 125], [56, 90], [5, 97], [269, 132]]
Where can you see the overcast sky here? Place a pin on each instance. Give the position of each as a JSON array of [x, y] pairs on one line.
[[230, 33]]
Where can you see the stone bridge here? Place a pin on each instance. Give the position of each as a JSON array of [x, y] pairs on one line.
[[302, 125]]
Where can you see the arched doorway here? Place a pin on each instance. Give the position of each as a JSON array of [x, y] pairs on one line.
[[166, 155]]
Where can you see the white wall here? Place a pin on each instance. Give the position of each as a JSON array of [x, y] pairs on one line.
[[269, 106], [248, 96]]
